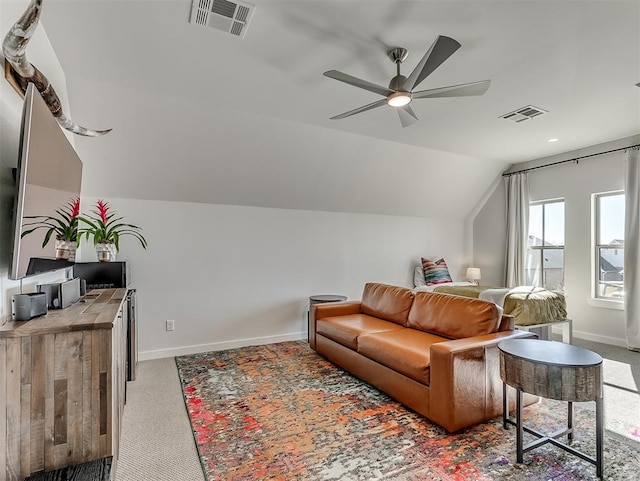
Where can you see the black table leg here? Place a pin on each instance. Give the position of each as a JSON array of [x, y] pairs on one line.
[[519, 428], [570, 421], [599, 436], [505, 404]]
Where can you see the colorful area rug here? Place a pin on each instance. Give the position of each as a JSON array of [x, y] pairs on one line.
[[281, 412]]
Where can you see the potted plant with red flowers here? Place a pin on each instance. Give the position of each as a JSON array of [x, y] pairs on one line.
[[107, 229], [64, 226]]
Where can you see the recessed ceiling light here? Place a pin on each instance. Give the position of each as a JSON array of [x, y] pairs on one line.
[[553, 140]]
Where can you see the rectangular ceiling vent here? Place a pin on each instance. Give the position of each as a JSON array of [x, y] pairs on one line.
[[230, 17], [525, 113]]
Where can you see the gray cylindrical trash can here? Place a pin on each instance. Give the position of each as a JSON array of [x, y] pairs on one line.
[[320, 299]]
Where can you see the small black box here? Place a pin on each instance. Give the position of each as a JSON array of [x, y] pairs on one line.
[[103, 275]]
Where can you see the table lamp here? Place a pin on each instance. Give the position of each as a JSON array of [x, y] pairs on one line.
[[473, 274]]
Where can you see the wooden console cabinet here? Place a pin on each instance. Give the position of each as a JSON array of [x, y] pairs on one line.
[[62, 386]]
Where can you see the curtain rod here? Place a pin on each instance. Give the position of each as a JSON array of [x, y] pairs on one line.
[[575, 159]]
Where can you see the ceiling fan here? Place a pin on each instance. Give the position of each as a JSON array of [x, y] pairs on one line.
[[400, 92]]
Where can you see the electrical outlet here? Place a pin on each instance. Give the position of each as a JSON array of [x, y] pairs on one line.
[[171, 325]]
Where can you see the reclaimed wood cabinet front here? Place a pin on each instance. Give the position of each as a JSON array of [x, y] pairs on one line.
[[62, 381]]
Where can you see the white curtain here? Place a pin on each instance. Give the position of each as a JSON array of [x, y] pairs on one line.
[[632, 247], [517, 188]]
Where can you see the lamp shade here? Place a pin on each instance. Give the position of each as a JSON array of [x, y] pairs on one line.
[[473, 273]]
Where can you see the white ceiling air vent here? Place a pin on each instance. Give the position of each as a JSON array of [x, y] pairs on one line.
[[230, 17], [524, 113]]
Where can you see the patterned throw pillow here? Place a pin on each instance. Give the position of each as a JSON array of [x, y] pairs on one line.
[[435, 272]]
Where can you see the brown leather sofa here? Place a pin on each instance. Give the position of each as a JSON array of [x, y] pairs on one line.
[[435, 353]]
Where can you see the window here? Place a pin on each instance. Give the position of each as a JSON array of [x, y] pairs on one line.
[[545, 253], [609, 245]]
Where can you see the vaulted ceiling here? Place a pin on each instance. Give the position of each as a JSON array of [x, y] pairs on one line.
[[200, 115]]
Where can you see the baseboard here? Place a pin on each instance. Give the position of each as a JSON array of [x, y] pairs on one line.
[[614, 341], [221, 346], [218, 346]]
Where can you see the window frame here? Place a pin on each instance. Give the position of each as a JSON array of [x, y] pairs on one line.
[[596, 298], [542, 248]]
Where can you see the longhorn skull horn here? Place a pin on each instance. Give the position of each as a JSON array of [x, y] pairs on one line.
[[23, 72]]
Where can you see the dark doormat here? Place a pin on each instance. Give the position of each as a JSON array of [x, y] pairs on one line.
[[98, 470]]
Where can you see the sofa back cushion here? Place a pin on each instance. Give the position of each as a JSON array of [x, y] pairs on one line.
[[453, 316], [391, 303]]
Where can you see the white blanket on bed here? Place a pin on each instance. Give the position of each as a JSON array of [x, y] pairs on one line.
[[496, 296]]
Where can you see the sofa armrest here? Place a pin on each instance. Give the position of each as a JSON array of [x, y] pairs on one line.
[[446, 349], [329, 309], [465, 385], [507, 323]]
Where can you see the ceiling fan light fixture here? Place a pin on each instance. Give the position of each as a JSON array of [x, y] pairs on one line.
[[399, 99], [401, 90]]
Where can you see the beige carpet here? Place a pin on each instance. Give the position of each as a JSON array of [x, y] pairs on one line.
[[156, 442]]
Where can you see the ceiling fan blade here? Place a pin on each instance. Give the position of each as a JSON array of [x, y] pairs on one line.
[[356, 82], [440, 51], [377, 103], [407, 116], [462, 90]]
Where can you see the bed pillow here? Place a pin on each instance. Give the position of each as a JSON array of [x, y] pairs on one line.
[[435, 272], [418, 277]]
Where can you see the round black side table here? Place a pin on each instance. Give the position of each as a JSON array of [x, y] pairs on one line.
[[553, 370]]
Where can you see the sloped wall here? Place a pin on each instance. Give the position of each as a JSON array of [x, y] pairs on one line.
[[234, 275]]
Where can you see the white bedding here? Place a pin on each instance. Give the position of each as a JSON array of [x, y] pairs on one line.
[[433, 286], [496, 296]]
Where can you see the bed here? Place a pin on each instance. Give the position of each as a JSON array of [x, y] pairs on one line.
[[529, 305], [533, 308]]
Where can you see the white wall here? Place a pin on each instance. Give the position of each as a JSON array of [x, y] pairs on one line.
[[575, 183], [234, 275], [489, 237], [229, 275]]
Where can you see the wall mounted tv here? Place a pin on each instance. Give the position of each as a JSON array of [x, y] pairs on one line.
[[48, 177]]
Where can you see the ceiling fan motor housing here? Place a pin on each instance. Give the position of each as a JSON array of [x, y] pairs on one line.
[[397, 83]]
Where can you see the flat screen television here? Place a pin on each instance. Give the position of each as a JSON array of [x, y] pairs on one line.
[[48, 177]]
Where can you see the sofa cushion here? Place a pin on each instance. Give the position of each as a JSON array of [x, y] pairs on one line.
[[453, 316], [346, 329], [391, 303], [405, 351]]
